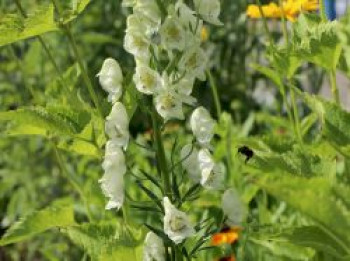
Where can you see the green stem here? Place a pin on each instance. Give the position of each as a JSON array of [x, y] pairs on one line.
[[71, 180], [296, 116], [44, 45], [215, 94], [284, 24], [323, 11], [266, 27], [86, 78], [335, 91], [80, 61], [162, 163]]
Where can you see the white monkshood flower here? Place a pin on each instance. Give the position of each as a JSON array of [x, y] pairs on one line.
[[185, 85], [137, 44], [202, 126], [233, 207], [117, 125], [128, 3], [212, 174], [153, 249], [111, 79], [147, 80], [148, 8], [176, 223], [209, 10], [194, 62], [186, 15], [189, 157], [112, 182], [172, 34], [169, 105]]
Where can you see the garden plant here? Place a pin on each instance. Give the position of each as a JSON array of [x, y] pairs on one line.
[[174, 130]]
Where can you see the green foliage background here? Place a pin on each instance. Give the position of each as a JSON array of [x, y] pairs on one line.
[[296, 186]]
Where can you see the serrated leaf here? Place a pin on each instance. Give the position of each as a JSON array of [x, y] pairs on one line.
[[335, 122], [106, 240], [14, 28], [316, 41], [54, 120], [316, 238], [285, 250], [58, 214], [326, 203]]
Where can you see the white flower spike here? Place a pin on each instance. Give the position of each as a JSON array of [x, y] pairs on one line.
[[176, 223], [111, 79], [202, 126], [153, 248], [189, 155], [209, 10], [212, 174], [117, 124], [112, 182], [233, 207]]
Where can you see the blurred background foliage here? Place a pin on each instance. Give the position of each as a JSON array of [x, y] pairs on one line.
[[31, 175]]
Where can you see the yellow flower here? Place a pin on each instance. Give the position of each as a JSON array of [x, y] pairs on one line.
[[290, 9]]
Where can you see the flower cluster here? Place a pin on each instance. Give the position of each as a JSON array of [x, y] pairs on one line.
[[116, 128], [171, 37], [289, 9]]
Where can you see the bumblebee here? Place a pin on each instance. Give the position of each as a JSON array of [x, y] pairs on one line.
[[247, 152]]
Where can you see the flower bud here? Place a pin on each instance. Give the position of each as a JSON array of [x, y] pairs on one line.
[[202, 126], [111, 79]]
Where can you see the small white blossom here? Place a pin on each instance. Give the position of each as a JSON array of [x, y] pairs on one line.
[[189, 155], [112, 182], [186, 15], [185, 85], [153, 248], [169, 105], [111, 79], [147, 80], [172, 34], [176, 223], [128, 3], [233, 207], [148, 8], [194, 62], [202, 126], [212, 174], [117, 124], [136, 44], [209, 10]]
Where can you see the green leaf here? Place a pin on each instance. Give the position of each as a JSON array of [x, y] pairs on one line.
[[316, 238], [285, 250], [14, 28], [325, 202], [73, 9], [107, 241], [58, 214], [335, 122], [53, 120], [316, 41]]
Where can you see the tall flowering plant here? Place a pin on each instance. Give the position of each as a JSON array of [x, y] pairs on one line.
[[165, 40]]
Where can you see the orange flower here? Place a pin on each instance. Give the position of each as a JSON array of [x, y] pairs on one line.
[[226, 236], [290, 9]]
